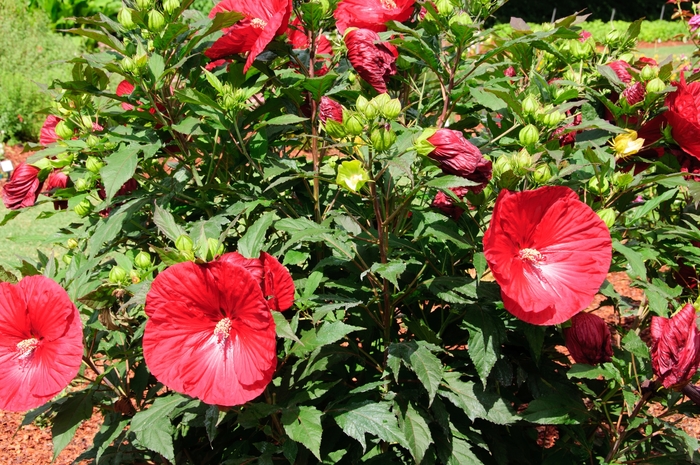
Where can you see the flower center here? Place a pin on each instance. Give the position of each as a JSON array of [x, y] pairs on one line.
[[389, 4], [25, 348], [222, 330], [531, 255], [258, 23]]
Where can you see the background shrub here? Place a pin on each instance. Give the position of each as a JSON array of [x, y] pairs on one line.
[[30, 57]]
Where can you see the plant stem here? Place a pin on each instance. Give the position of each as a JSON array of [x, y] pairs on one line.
[[621, 436]]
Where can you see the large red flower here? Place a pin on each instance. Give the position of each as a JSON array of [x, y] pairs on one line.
[[373, 59], [684, 116], [675, 347], [548, 251], [210, 333], [371, 14], [275, 281], [264, 19], [41, 342], [23, 187]]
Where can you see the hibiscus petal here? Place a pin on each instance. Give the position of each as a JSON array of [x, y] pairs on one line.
[[178, 283], [268, 33], [278, 284]]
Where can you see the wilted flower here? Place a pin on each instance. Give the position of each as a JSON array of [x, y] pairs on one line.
[[509, 72], [621, 69], [675, 348], [210, 332], [329, 108], [57, 180], [23, 187], [634, 93], [588, 339], [627, 144], [684, 116], [445, 204], [373, 60], [455, 154], [41, 342], [264, 19], [548, 251], [371, 14]]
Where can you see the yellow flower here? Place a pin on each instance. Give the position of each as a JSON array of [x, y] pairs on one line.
[[627, 144]]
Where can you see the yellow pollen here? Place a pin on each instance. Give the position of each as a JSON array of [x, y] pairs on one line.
[[258, 23], [222, 330], [389, 4], [531, 255], [26, 347]]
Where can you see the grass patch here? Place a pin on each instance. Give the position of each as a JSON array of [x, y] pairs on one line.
[[25, 235]]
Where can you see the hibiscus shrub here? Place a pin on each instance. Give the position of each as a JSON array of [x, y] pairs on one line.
[[361, 231]]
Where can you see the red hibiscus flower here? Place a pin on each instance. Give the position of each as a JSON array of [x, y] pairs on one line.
[[300, 41], [329, 108], [675, 348], [274, 279], [588, 339], [684, 116], [445, 204], [56, 180], [371, 14], [41, 342], [548, 251], [621, 69], [263, 20], [456, 155], [23, 187], [48, 130], [373, 60], [210, 333]]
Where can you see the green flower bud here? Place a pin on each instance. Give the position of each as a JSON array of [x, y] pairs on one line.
[[64, 130], [92, 141], [352, 175], [521, 162], [530, 105], [214, 248], [613, 37], [128, 65], [421, 145], [444, 7], [608, 216], [622, 180], [134, 277], [529, 135], [144, 4], [382, 139], [86, 122], [81, 185], [598, 187], [125, 19], [83, 208], [648, 73], [542, 174], [353, 124], [156, 21], [117, 275], [62, 159], [502, 165], [72, 243], [94, 165], [656, 85], [460, 19], [67, 259], [334, 129], [142, 260], [391, 109], [368, 110], [184, 244], [170, 6], [43, 164], [553, 119]]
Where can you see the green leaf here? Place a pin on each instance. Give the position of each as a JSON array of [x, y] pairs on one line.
[[374, 418], [156, 65], [6, 276], [109, 431], [189, 126], [212, 418], [283, 328], [550, 410], [462, 395], [9, 216], [328, 333], [252, 242], [281, 120], [153, 428], [166, 223], [486, 333], [390, 270], [448, 181], [635, 260], [417, 433], [214, 81], [634, 344], [119, 168], [651, 204], [428, 369], [585, 371], [76, 409], [303, 425], [319, 86], [454, 289]]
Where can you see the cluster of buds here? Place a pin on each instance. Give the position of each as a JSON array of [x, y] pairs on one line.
[[142, 267], [206, 250], [370, 116]]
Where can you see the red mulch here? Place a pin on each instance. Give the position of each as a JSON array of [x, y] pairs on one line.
[[15, 155]]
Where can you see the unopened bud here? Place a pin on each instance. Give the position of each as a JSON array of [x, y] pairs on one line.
[[83, 208], [382, 139], [391, 109], [553, 119], [134, 277], [142, 260], [353, 124], [648, 73], [542, 174], [502, 165], [608, 216], [656, 85], [71, 243], [622, 180], [128, 65], [86, 122], [184, 244], [81, 185], [92, 141], [613, 37], [117, 275], [64, 130], [529, 135], [156, 21], [125, 19], [368, 110], [170, 6], [521, 162], [94, 165], [530, 105], [144, 4], [67, 258], [334, 129], [598, 186]]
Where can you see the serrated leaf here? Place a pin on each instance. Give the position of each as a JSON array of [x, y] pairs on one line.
[[166, 223], [454, 289], [428, 369], [585, 371], [651, 204], [76, 409], [109, 431], [282, 120], [634, 259], [417, 433], [390, 270], [486, 334], [283, 328], [328, 333], [446, 182], [211, 422], [214, 81], [9, 216], [634, 344], [462, 395], [550, 410], [119, 168], [374, 418], [252, 242], [156, 65], [303, 425], [153, 428]]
